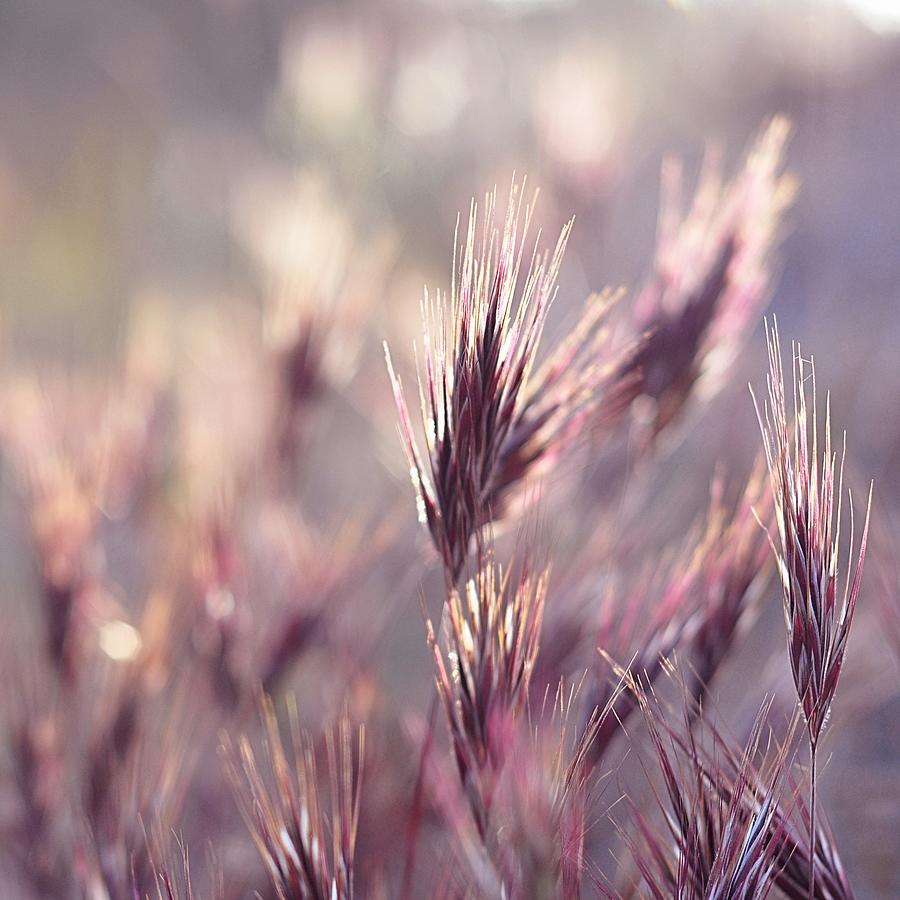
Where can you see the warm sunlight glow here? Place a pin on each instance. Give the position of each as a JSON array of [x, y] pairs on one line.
[[119, 640], [883, 15]]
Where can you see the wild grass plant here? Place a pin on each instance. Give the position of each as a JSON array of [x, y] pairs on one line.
[[232, 726]]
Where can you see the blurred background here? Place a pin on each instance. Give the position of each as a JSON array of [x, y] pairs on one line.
[[191, 154], [172, 165]]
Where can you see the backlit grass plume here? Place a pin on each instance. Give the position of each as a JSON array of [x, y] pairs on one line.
[[492, 633], [307, 852], [807, 501], [542, 816], [720, 837], [693, 601], [490, 419], [733, 572], [710, 279]]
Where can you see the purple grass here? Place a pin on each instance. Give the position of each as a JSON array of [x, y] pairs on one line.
[[308, 854], [492, 420], [178, 547], [721, 838], [818, 622], [491, 637], [710, 280]]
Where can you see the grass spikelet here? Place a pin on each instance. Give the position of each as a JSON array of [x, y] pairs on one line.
[[721, 837], [710, 280], [491, 420], [307, 851], [491, 639], [808, 517]]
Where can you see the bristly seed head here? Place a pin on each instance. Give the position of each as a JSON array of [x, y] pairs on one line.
[[307, 853], [809, 522], [491, 420], [492, 632]]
